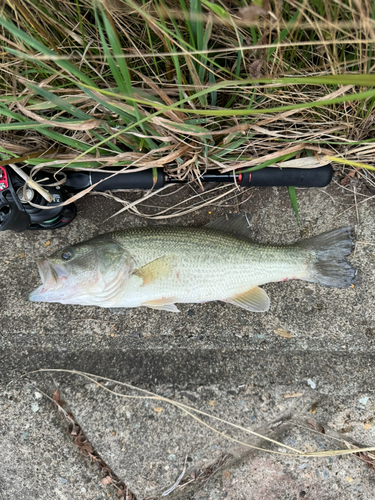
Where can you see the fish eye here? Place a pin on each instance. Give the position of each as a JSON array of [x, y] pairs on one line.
[[66, 255]]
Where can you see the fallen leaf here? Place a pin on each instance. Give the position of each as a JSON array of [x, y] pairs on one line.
[[368, 426], [158, 409], [349, 479], [255, 68], [349, 176], [106, 480], [47, 243], [283, 333], [57, 400], [313, 407], [22, 255], [212, 402], [293, 395]]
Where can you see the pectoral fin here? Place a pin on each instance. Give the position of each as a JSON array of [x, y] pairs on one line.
[[156, 269], [163, 304], [255, 300]]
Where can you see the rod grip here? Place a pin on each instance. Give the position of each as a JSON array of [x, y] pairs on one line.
[[77, 181], [297, 177], [137, 180]]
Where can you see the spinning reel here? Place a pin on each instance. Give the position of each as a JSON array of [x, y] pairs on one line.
[[16, 212]]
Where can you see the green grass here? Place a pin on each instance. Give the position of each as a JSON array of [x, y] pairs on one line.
[[220, 86]]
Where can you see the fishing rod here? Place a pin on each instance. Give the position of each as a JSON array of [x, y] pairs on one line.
[[17, 214]]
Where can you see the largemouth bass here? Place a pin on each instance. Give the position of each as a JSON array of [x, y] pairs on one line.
[[160, 266]]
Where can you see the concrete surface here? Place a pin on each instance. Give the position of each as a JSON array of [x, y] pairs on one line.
[[215, 357], [39, 461]]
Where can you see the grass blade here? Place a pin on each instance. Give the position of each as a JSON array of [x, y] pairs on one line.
[[196, 23], [293, 199], [31, 42]]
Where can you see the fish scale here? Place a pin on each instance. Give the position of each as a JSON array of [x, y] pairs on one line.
[[212, 265]]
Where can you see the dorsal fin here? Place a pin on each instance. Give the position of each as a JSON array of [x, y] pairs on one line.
[[236, 224]]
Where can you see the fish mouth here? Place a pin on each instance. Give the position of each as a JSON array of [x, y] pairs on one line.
[[42, 268], [53, 278], [51, 274]]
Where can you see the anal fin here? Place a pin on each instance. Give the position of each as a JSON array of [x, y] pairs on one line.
[[254, 300], [163, 304]]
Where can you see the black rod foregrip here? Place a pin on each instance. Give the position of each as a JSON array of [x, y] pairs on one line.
[[144, 179]]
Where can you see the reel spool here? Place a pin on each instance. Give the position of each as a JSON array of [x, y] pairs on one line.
[[16, 212]]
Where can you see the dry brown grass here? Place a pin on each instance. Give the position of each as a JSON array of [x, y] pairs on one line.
[[188, 88]]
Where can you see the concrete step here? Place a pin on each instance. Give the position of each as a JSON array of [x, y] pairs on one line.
[[208, 352]]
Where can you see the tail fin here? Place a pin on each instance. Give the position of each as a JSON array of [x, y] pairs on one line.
[[328, 265]]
